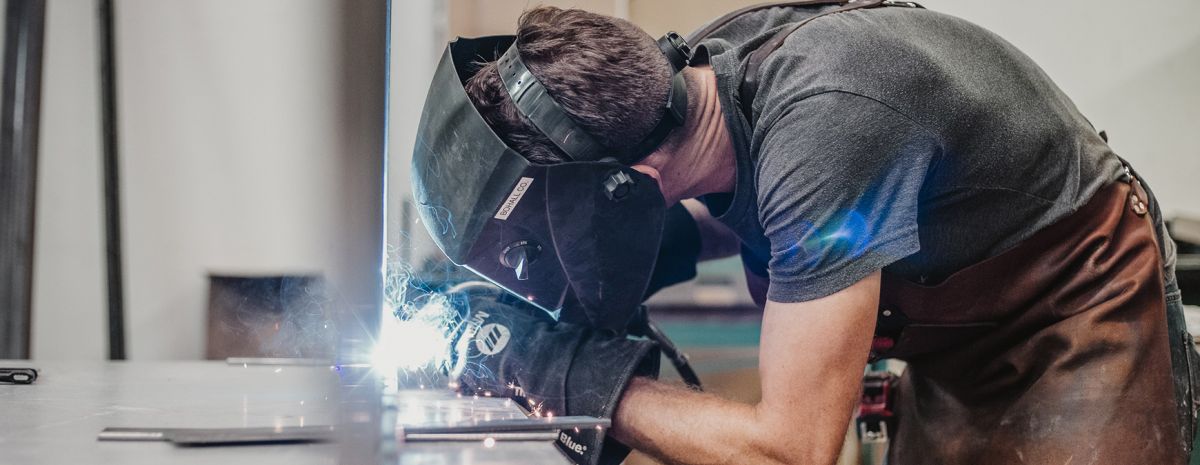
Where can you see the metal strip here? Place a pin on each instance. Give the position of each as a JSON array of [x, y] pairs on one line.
[[471, 437], [507, 426], [20, 102]]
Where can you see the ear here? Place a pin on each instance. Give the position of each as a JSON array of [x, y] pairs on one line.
[[649, 171]]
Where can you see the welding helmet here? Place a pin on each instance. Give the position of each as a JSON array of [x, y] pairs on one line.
[[578, 238]]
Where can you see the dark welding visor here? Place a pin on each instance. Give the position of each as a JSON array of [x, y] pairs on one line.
[[580, 236]]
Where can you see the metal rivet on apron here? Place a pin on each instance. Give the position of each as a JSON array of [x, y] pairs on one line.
[[887, 313], [1137, 205]]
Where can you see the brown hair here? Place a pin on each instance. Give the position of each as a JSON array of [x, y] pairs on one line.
[[608, 75]]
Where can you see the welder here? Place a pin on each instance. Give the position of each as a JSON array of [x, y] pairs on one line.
[[900, 183]]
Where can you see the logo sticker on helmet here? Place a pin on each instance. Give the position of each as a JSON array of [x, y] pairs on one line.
[[492, 338], [514, 198]]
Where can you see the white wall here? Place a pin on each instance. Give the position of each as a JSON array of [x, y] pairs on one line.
[[69, 286], [1132, 68], [251, 141]]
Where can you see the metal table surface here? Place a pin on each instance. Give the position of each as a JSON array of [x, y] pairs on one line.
[[56, 419]]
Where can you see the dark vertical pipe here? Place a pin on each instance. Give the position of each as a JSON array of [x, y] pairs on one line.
[[112, 193], [20, 101]]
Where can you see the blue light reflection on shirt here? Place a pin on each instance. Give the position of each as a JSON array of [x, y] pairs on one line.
[[844, 237]]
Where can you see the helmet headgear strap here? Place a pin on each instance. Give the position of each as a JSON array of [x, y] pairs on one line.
[[537, 106]]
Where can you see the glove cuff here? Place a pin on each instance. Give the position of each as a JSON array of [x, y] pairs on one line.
[[603, 367]]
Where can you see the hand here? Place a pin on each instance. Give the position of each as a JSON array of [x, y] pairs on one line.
[[514, 350]]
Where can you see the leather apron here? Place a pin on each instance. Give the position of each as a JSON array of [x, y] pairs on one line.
[[1055, 351]]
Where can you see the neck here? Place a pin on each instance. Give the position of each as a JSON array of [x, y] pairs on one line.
[[704, 161]]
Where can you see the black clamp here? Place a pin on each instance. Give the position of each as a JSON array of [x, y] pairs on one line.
[[676, 49], [18, 375]]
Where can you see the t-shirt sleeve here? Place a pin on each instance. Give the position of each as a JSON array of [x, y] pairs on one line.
[[838, 179]]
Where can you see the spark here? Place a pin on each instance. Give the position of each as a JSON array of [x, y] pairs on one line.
[[535, 409]]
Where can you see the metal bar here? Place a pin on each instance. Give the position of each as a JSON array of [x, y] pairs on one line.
[[277, 361], [133, 434], [112, 191], [525, 425], [20, 102], [471, 437]]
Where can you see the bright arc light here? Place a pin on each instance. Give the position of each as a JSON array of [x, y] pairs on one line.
[[415, 338]]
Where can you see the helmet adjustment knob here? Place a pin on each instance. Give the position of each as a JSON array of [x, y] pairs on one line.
[[519, 255], [618, 185]]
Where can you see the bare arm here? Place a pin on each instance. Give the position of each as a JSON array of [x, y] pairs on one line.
[[811, 361], [716, 239]]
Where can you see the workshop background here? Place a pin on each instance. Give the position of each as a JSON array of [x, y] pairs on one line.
[[261, 158], [252, 137]]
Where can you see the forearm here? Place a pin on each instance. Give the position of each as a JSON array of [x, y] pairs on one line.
[[811, 360], [680, 426]]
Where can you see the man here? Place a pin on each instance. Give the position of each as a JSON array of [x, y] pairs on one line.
[[905, 184]]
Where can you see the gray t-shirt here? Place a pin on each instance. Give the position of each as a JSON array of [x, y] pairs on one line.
[[894, 138]]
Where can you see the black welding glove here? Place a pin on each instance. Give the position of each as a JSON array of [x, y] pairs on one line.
[[518, 351]]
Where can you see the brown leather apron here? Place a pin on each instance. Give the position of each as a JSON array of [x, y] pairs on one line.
[[1055, 351]]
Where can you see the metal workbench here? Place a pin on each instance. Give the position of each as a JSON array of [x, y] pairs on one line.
[[56, 419]]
